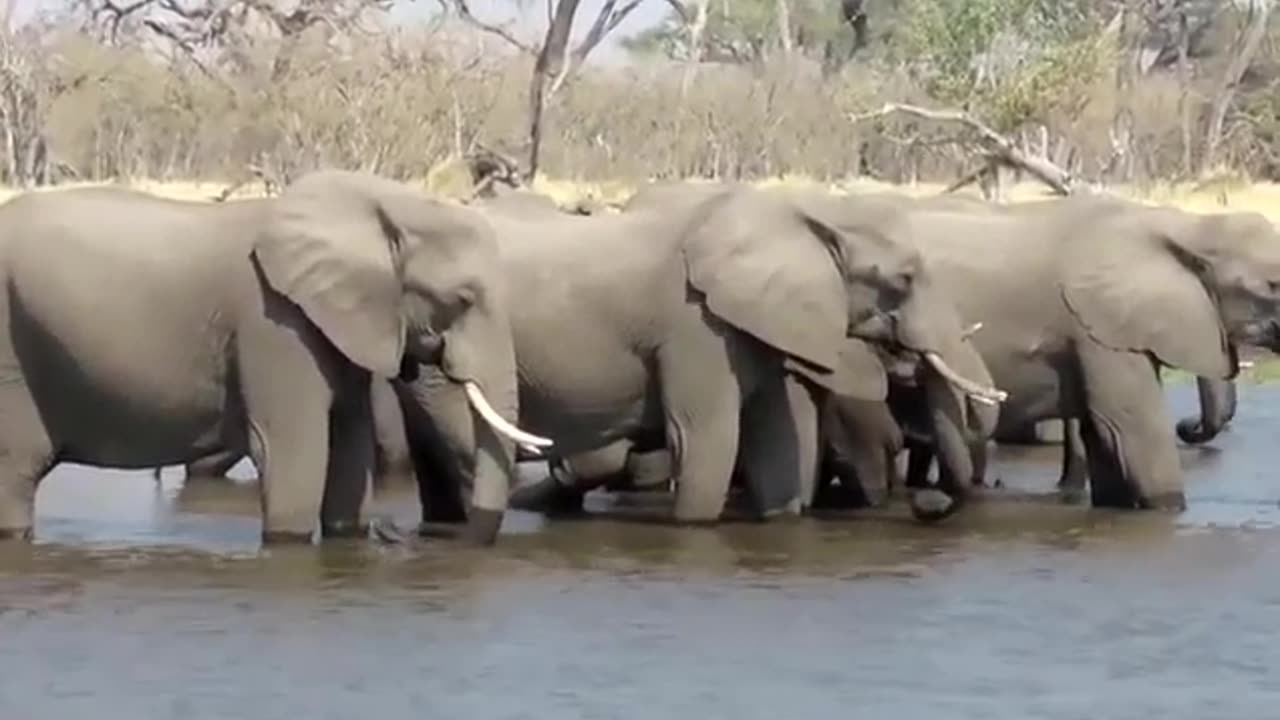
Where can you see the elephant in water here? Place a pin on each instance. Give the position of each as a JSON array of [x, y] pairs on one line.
[[859, 439], [707, 328], [251, 325], [1084, 298], [1089, 294], [391, 450]]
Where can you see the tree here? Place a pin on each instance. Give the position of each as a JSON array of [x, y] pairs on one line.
[[217, 36], [1249, 38], [554, 64], [748, 31]]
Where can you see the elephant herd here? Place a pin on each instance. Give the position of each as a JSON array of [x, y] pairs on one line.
[[790, 343]]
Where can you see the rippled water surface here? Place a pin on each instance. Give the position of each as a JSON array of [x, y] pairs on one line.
[[145, 601]]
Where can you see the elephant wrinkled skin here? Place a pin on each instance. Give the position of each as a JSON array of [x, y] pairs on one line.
[[251, 325], [709, 327], [1083, 298]]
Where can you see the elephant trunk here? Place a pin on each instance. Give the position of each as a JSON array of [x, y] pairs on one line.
[[471, 412], [928, 323], [1217, 407], [963, 403], [960, 425]]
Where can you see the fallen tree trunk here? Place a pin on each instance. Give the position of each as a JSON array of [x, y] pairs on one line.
[[996, 149]]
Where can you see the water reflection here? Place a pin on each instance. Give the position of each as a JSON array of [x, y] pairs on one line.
[[154, 600]]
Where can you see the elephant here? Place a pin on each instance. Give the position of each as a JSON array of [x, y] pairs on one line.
[[857, 432], [260, 331], [1065, 355], [859, 440], [678, 327], [1091, 296], [391, 452]]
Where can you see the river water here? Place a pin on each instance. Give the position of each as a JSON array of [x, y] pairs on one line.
[[145, 601]]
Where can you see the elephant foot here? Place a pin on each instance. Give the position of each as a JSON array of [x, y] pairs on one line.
[[1072, 495], [18, 533], [548, 497], [930, 505], [791, 509], [1169, 501], [344, 529], [387, 532], [208, 478], [286, 537], [832, 496], [481, 528]]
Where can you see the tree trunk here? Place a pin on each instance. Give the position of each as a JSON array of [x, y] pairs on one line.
[[550, 62], [695, 29], [1184, 88], [784, 27]]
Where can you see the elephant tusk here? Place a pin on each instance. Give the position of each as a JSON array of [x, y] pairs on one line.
[[970, 332], [528, 440], [986, 395]]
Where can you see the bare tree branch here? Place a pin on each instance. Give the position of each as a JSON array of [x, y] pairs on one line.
[[464, 12], [997, 147], [1246, 47]]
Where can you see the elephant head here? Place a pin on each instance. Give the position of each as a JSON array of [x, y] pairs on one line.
[[395, 281], [1187, 289], [864, 279]]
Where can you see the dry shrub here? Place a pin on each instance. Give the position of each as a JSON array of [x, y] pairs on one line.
[[407, 103]]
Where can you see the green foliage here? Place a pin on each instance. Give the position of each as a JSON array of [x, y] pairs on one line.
[[1011, 60], [744, 30]]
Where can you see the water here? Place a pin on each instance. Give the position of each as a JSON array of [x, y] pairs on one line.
[[138, 602]]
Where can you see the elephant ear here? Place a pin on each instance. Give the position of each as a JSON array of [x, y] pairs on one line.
[[771, 270], [859, 372], [1140, 289], [331, 247]]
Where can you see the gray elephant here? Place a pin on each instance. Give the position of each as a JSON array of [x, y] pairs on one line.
[[859, 440], [391, 450], [1089, 297], [708, 328], [253, 325], [859, 433], [1054, 340]]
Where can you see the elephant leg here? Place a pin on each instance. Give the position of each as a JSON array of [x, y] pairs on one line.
[[861, 440], [28, 455], [649, 469], [1132, 457], [391, 451], [919, 460], [569, 479], [981, 453], [701, 399], [1075, 466], [440, 445], [288, 399], [215, 466], [778, 452], [349, 478]]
